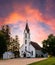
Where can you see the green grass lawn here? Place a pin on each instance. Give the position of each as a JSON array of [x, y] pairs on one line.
[[49, 61]]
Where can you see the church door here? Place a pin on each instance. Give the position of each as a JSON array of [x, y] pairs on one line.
[[24, 54]]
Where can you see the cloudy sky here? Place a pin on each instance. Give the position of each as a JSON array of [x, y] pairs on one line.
[[39, 13]]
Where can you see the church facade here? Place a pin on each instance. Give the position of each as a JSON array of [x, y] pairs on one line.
[[29, 48]]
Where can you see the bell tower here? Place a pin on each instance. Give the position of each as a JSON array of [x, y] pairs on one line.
[[26, 38]]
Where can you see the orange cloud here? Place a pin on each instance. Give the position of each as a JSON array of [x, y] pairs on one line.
[[27, 12], [14, 18], [33, 14], [37, 16]]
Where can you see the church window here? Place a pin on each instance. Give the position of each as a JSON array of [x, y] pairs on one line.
[[25, 48], [32, 52], [25, 41]]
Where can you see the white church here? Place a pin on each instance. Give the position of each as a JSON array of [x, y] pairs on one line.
[[30, 48]]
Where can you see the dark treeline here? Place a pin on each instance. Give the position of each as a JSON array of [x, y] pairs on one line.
[[49, 45], [6, 41]]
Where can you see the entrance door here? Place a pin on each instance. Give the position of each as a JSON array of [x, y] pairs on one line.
[[24, 54]]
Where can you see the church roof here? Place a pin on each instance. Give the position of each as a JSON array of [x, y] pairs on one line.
[[35, 45], [27, 28]]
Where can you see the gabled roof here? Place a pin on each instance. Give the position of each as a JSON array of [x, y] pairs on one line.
[[35, 45]]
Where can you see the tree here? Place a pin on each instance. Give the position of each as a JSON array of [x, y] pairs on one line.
[[6, 31], [16, 47], [3, 44], [49, 44], [4, 39], [17, 41]]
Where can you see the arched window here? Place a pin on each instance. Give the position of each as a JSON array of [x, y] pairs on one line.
[[25, 41], [32, 52]]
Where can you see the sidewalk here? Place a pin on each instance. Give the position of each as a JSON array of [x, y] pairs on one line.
[[20, 61]]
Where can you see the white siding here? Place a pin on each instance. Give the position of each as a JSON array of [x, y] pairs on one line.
[[8, 55], [29, 47], [32, 49], [21, 50], [39, 53]]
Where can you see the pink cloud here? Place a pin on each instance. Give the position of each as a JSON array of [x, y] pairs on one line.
[[37, 33], [34, 16], [22, 13]]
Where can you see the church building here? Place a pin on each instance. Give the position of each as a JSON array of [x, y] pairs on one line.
[[29, 48]]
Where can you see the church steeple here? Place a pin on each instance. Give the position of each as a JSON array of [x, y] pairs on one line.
[[27, 28], [26, 38]]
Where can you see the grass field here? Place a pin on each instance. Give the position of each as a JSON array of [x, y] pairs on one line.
[[49, 61]]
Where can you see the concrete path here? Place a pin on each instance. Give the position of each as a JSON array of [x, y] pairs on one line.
[[20, 61]]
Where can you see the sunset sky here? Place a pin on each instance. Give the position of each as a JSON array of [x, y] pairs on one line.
[[39, 13]]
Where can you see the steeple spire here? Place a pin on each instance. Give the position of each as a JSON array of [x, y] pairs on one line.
[[27, 28]]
